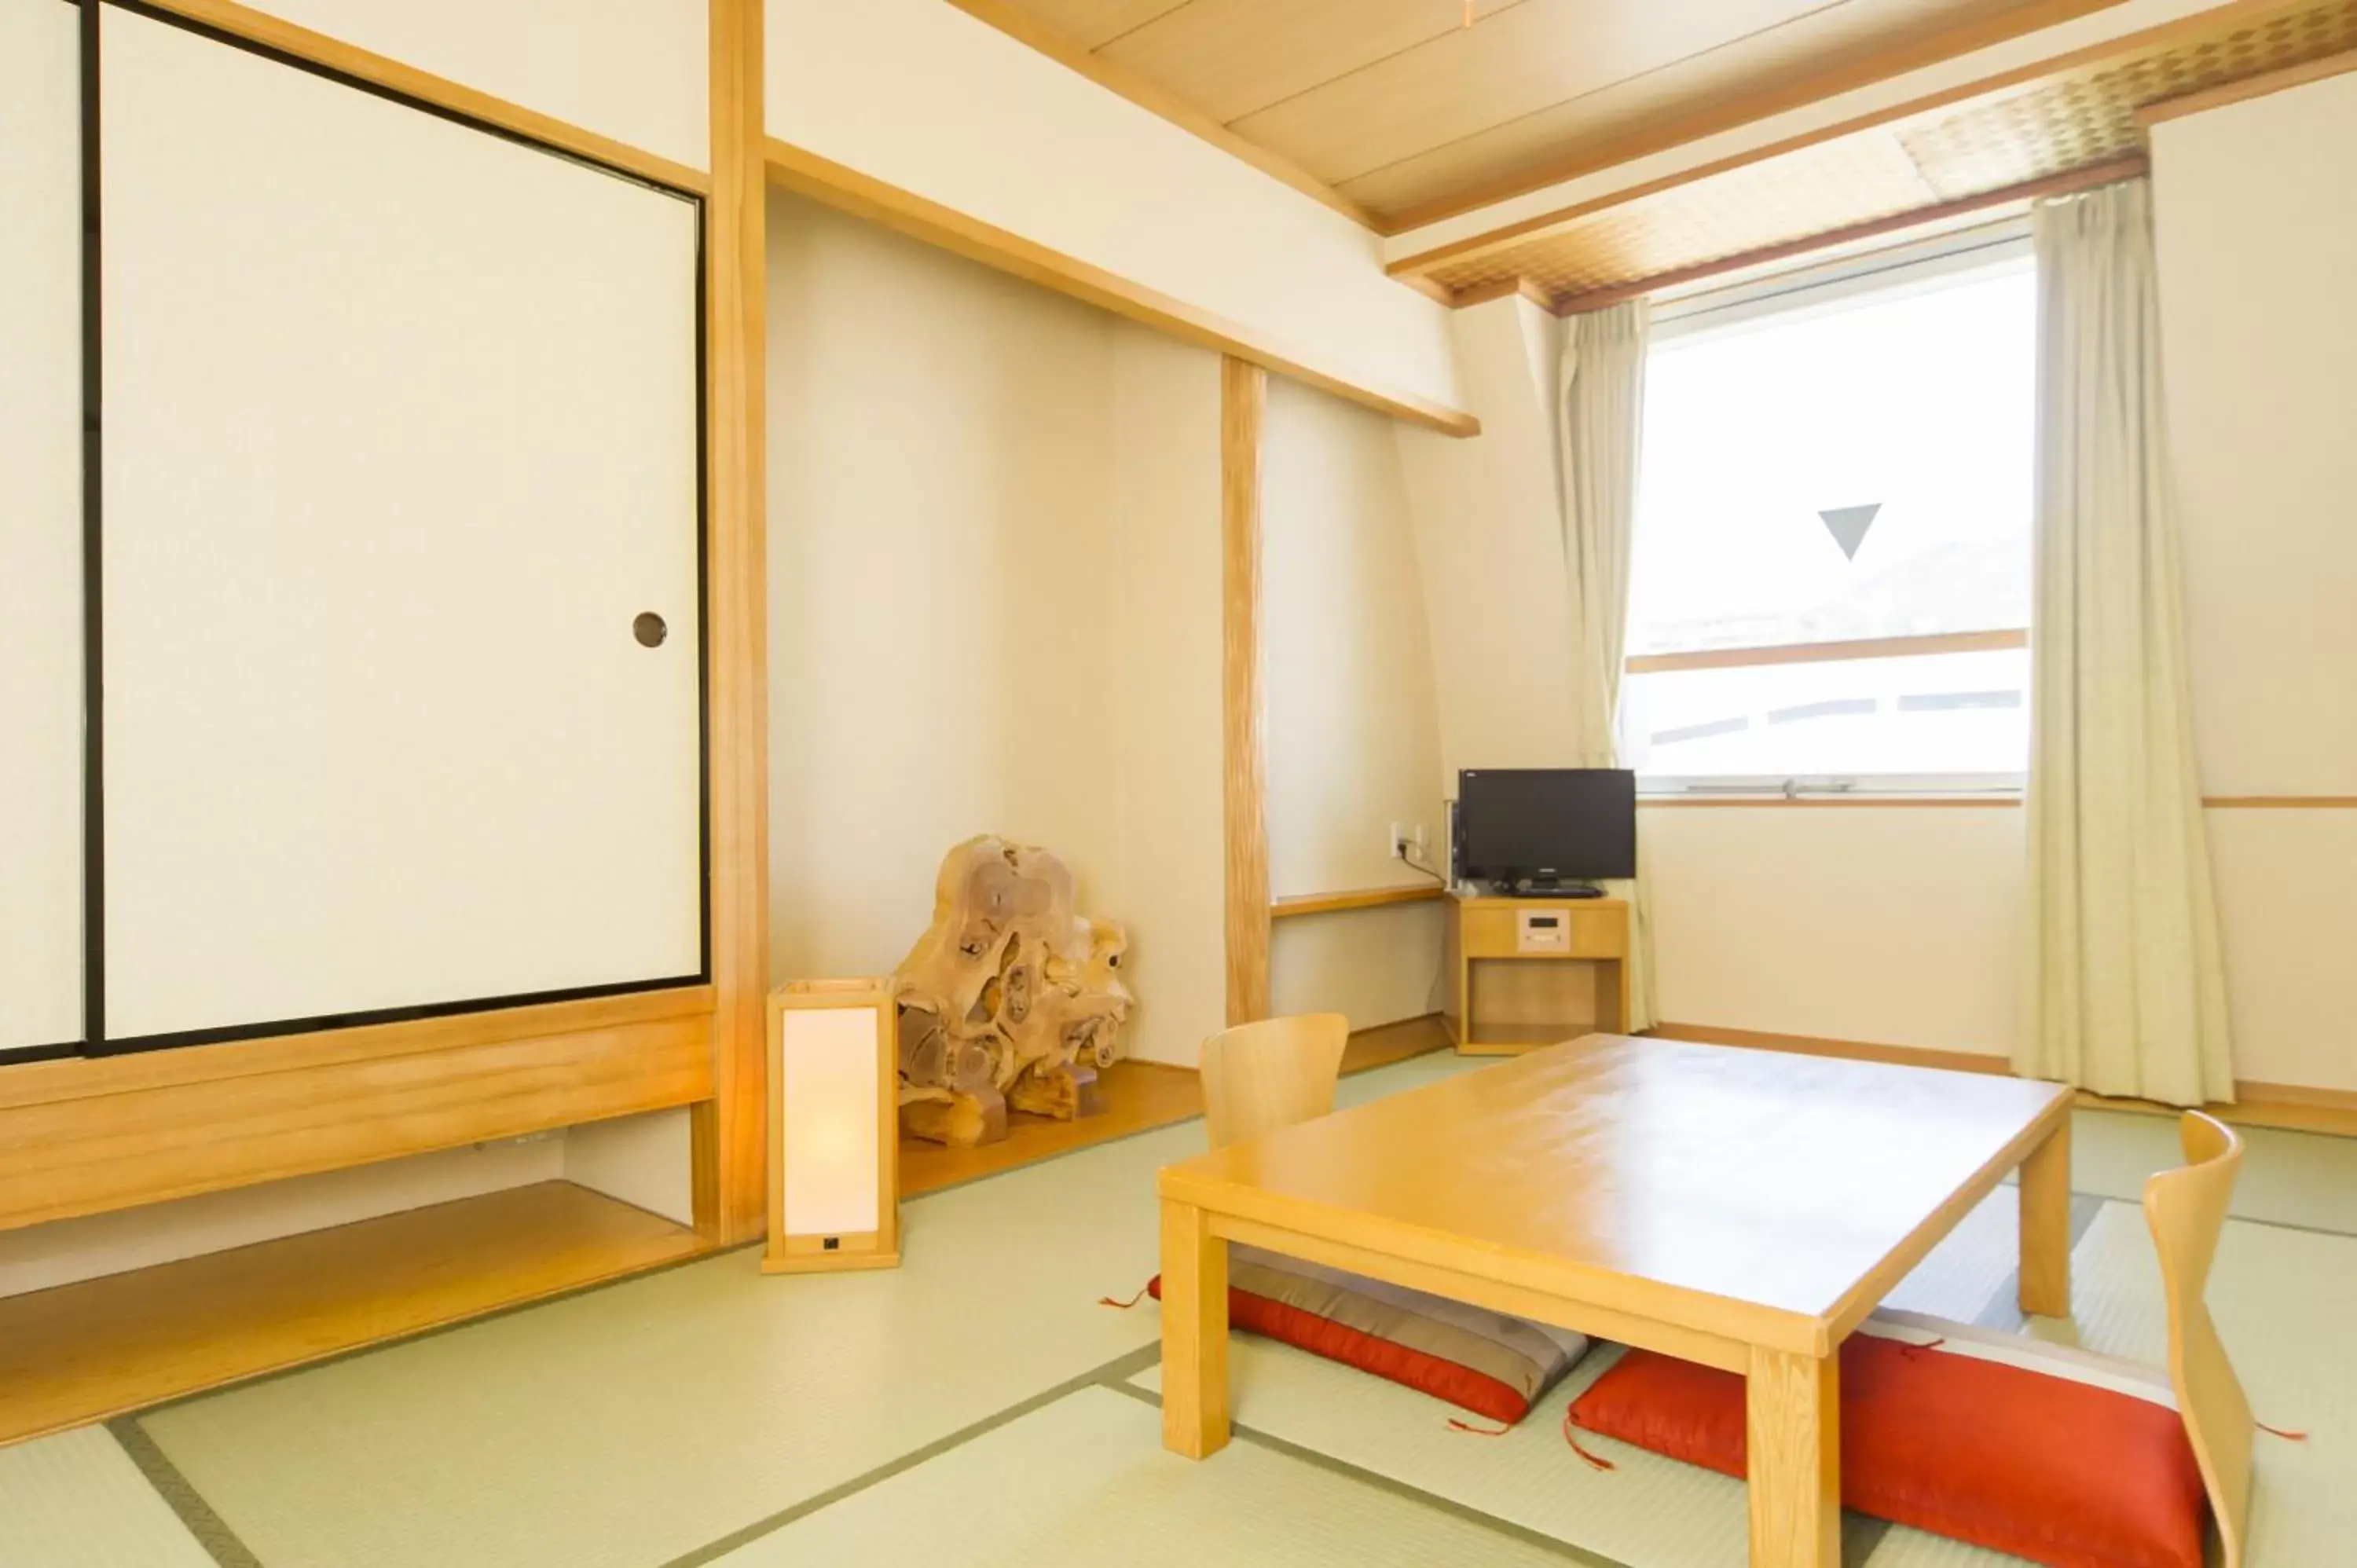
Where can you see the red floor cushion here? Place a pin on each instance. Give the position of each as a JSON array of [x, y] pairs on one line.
[[2040, 1454], [1474, 1358]]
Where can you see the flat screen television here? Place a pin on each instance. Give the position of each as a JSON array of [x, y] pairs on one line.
[[1542, 828]]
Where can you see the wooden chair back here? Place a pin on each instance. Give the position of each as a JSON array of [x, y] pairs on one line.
[[2187, 1212], [1260, 1077]]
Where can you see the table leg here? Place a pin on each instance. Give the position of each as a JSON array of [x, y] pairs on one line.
[[1793, 1431], [2046, 1226], [1194, 1333]]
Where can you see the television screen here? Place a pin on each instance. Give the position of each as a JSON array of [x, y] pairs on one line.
[[1563, 824]]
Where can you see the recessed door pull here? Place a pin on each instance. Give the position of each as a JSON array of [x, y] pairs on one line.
[[649, 630]]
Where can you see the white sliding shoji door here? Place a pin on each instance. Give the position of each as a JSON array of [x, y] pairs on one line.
[[403, 649], [40, 527]]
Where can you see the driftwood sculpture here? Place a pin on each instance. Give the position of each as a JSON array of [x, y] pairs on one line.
[[1009, 999]]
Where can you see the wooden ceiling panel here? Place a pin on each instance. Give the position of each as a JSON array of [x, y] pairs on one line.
[[1231, 58], [1091, 23], [1827, 52], [2080, 118], [1516, 63], [1398, 112], [1423, 107]]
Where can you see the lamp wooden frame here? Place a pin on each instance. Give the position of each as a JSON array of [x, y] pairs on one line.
[[877, 1249]]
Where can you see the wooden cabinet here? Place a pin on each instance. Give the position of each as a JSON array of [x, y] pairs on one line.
[[1526, 973]]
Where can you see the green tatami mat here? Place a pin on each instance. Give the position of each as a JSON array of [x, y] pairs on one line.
[[2280, 1295], [1648, 1511], [2289, 1178], [1085, 1480], [76, 1500], [628, 1425], [2283, 1300]]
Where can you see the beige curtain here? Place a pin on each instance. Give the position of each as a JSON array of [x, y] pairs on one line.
[[2127, 989], [1601, 405]]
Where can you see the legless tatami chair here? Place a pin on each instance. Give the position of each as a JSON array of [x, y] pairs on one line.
[[1260, 1077], [2187, 1210]]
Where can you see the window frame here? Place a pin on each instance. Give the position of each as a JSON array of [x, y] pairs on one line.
[[1831, 285]]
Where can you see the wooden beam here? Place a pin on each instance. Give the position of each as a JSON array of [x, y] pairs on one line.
[[2108, 172], [848, 190], [378, 71], [1150, 96], [26, 1084], [1244, 404], [1365, 898], [727, 1134], [86, 1145]]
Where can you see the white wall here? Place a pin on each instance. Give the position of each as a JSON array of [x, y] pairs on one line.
[[1898, 925], [636, 71], [2256, 225], [1489, 549], [994, 558], [927, 98], [643, 1160], [1165, 512], [1352, 727]]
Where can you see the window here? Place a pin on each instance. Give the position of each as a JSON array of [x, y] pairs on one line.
[[1830, 582]]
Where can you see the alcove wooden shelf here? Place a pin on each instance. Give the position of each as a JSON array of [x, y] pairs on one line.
[[84, 1352], [1363, 898]]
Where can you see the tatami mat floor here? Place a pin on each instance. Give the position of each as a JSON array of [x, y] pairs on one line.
[[977, 1405]]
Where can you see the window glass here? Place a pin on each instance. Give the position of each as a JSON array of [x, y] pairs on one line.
[[1857, 470]]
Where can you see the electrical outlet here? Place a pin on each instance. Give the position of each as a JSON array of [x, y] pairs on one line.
[[1401, 837]]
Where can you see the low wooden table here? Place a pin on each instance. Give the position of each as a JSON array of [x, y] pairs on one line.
[[1738, 1208]]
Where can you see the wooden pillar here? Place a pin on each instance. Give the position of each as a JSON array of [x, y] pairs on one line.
[[1244, 404], [728, 1133]]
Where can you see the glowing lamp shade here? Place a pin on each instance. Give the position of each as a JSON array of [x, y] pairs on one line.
[[834, 1127]]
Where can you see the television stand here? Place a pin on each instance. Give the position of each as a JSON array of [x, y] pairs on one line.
[[1528, 972]]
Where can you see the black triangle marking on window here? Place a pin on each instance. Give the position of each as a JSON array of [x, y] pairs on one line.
[[1848, 524]]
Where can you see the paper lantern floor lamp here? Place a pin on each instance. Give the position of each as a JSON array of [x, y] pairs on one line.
[[834, 1143]]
